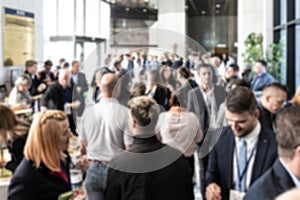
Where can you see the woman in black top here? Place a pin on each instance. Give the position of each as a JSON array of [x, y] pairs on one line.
[[44, 171]]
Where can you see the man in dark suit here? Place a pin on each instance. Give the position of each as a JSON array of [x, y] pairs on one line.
[[244, 151], [79, 83], [285, 172], [61, 96], [205, 101], [272, 100]]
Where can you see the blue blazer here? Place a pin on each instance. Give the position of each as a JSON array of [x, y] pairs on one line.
[[220, 163], [274, 182]]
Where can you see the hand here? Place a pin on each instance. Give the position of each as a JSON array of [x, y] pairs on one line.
[[78, 89], [47, 80], [78, 194], [84, 163], [74, 104], [41, 87], [2, 164], [213, 192]]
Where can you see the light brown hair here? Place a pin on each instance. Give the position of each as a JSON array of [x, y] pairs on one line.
[[42, 144], [288, 131]]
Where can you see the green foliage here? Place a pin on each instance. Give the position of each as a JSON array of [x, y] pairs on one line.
[[274, 58], [254, 51]]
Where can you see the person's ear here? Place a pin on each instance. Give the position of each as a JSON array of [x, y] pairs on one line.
[[257, 113], [134, 123]]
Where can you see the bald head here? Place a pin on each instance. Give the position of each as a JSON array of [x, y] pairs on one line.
[[273, 97], [64, 77], [109, 85]]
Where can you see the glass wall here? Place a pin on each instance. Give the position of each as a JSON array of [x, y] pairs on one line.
[[287, 29]]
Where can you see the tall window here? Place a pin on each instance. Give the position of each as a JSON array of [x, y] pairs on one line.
[[287, 29]]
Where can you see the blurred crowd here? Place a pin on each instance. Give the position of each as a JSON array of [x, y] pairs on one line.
[[151, 119]]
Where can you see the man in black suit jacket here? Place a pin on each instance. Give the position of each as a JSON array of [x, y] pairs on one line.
[[285, 172], [79, 83], [222, 172], [205, 101], [272, 100], [197, 98]]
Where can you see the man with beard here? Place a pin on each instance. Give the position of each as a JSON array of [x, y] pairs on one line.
[[244, 151]]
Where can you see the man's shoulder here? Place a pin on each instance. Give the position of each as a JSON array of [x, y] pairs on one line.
[[264, 187]]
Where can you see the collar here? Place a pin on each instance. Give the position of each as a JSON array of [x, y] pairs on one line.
[[296, 181], [142, 139], [207, 92], [253, 135], [111, 99]]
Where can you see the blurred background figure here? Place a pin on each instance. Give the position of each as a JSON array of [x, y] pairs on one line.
[[47, 76], [13, 134], [261, 78], [79, 83], [19, 95]]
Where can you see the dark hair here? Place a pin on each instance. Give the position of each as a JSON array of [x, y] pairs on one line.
[[241, 83], [263, 63], [184, 72], [48, 63], [240, 100], [62, 60], [30, 63], [288, 131], [177, 99], [66, 65], [276, 85], [117, 63], [235, 67]]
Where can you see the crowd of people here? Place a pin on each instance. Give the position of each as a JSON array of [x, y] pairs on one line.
[[148, 120]]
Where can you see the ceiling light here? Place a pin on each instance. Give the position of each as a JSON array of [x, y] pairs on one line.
[[127, 9], [203, 12], [218, 5]]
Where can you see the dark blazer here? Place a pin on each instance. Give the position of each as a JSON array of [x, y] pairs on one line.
[[196, 104], [81, 82], [265, 117], [220, 164], [54, 97], [274, 182], [184, 90], [16, 151], [170, 182], [35, 82], [162, 96], [30, 183]]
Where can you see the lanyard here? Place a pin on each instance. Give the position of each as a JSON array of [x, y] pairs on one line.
[[241, 176]]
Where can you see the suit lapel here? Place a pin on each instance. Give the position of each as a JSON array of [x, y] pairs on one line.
[[228, 154], [261, 152]]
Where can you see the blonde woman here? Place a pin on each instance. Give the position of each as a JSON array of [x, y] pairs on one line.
[[13, 133], [44, 172]]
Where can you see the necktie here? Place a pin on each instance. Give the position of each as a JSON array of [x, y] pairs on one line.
[[242, 159]]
